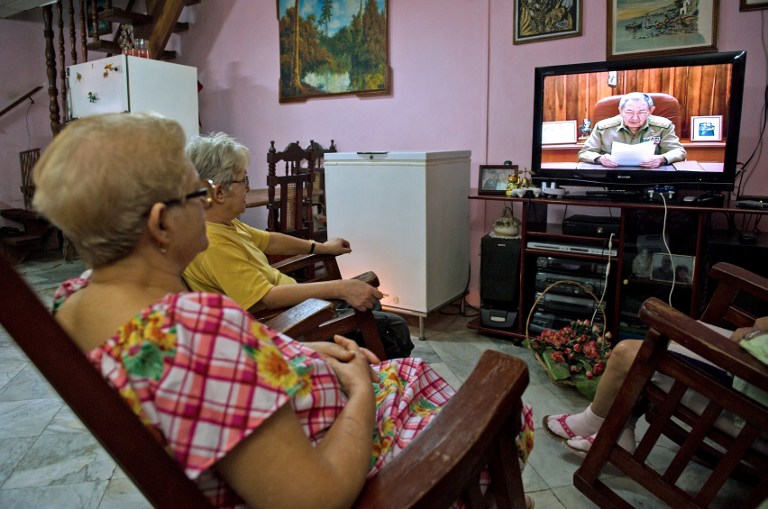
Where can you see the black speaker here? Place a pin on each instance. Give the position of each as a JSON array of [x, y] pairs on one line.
[[499, 280]]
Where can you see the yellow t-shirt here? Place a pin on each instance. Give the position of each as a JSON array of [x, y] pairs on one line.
[[235, 264]]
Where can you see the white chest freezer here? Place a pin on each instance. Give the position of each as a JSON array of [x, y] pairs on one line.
[[125, 83], [406, 215]]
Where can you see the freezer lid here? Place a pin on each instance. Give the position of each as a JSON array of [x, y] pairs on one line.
[[396, 156]]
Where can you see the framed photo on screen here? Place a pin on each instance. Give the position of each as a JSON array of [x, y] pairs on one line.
[[707, 128]]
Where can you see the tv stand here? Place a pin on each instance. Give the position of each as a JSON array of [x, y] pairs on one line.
[[633, 195], [640, 225]]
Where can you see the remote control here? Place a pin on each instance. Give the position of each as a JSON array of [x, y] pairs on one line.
[[751, 204]]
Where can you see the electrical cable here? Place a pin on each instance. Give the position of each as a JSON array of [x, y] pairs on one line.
[[605, 283], [463, 302], [26, 121], [669, 251]]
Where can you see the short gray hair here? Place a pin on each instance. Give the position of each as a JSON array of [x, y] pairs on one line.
[[218, 157], [101, 174], [635, 96]]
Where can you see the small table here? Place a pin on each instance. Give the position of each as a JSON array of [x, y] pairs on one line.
[[258, 197]]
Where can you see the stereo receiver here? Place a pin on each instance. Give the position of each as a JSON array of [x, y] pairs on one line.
[[570, 265], [545, 279]]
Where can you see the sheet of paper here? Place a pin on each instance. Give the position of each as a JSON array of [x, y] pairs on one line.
[[632, 155]]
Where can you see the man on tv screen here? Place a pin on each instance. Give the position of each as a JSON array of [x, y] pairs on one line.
[[634, 125]]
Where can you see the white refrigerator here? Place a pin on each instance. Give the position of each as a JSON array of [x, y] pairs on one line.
[[406, 215], [125, 83]]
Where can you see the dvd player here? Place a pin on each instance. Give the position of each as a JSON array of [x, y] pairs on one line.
[[572, 248]]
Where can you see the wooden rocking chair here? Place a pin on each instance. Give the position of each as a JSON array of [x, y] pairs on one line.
[[739, 452], [477, 428]]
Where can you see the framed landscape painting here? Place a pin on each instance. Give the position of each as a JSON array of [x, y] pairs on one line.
[[332, 47], [641, 28]]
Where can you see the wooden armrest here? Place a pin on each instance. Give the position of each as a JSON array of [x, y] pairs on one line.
[[369, 277], [443, 460], [741, 279], [299, 262], [303, 317], [723, 308], [704, 341]]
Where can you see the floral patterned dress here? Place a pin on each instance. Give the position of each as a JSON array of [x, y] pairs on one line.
[[202, 375]]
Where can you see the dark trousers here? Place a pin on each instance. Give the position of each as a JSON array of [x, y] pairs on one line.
[[393, 330]]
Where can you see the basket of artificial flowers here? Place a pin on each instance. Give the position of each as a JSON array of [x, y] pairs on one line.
[[576, 355]]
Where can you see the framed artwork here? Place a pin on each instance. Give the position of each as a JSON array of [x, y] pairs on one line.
[[677, 267], [342, 48], [548, 19], [707, 128], [102, 27], [558, 132], [669, 27], [752, 5], [493, 178]]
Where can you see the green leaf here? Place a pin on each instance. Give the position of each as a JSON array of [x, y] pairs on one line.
[[558, 370], [588, 387]]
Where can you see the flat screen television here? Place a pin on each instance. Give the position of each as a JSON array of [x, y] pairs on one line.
[[708, 89]]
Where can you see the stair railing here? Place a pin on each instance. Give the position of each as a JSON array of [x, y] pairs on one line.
[[20, 100]]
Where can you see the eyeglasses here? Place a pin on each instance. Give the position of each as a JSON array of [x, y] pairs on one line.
[[242, 181], [630, 114], [205, 191]]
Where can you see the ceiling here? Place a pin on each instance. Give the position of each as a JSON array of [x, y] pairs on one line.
[[9, 8]]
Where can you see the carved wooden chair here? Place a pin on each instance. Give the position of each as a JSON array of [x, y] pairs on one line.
[[325, 268], [318, 200], [289, 190], [699, 425], [476, 428]]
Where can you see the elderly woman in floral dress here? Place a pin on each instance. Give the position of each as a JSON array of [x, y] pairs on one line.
[[254, 417]]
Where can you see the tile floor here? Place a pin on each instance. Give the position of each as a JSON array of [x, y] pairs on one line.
[[48, 459]]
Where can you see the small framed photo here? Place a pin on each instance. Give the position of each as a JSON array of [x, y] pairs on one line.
[[677, 268], [708, 128], [494, 177], [558, 132]]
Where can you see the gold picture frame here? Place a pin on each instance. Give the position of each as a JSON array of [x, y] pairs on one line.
[[635, 31], [545, 20], [752, 5], [329, 58]]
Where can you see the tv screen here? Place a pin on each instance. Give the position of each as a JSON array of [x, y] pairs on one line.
[[694, 122]]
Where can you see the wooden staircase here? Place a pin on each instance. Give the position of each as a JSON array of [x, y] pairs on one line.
[[155, 26]]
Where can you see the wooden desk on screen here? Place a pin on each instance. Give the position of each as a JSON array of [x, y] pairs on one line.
[[697, 151]]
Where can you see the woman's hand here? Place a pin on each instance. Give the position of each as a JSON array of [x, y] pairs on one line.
[[760, 326], [336, 246], [358, 294], [351, 365]]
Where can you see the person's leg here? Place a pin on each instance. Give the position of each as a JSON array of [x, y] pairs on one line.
[[395, 334], [588, 422]]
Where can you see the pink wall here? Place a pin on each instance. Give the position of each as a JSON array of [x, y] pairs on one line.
[[28, 125], [458, 83]]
